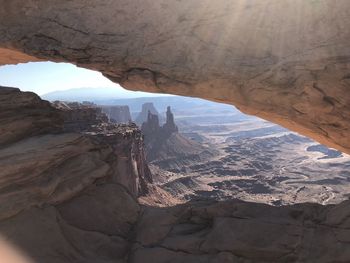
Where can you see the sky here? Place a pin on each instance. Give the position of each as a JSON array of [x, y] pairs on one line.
[[45, 77]]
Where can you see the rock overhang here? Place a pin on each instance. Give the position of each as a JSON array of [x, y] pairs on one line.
[[284, 61]]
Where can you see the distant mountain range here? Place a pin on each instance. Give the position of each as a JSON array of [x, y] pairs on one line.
[[95, 94], [115, 96]]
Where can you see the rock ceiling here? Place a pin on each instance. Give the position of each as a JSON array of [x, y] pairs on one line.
[[285, 61]]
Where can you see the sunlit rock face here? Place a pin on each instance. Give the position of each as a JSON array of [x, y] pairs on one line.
[[24, 114], [45, 163], [285, 61], [71, 198], [67, 192]]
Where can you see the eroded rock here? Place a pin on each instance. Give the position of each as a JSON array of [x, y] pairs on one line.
[[236, 231], [166, 147], [285, 61], [67, 195], [24, 114], [71, 198], [143, 115], [117, 114]]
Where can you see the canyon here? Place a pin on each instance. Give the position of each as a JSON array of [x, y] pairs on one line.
[[75, 187], [71, 196], [214, 152]]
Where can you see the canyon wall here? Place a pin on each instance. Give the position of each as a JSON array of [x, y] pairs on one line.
[[67, 195], [143, 115], [285, 61], [117, 114], [79, 117], [25, 114], [70, 197]]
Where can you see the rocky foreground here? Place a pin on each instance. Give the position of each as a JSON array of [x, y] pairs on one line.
[[69, 196]]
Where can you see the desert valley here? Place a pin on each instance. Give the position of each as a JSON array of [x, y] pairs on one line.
[[89, 185], [219, 153]]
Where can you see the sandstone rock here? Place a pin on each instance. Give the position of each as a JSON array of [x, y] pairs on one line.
[[146, 109], [169, 127], [71, 198], [24, 114], [80, 117], [160, 255], [236, 231], [128, 158], [68, 197], [166, 147], [285, 61], [48, 169], [117, 114], [107, 209], [51, 168], [150, 128], [44, 236], [124, 141]]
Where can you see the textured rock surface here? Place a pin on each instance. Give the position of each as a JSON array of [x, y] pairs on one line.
[[79, 116], [170, 127], [71, 198], [67, 197], [166, 147], [285, 61], [143, 115], [49, 234], [117, 114], [153, 131], [40, 164], [199, 232], [24, 114], [236, 231]]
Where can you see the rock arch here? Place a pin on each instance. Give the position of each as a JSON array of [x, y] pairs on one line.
[[285, 61]]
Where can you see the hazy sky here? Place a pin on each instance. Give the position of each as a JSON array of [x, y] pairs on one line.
[[44, 77]]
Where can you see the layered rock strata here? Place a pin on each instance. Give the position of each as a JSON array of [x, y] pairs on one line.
[[235, 231], [24, 114], [167, 149], [80, 117], [67, 196], [156, 136], [117, 114], [71, 198], [143, 115]]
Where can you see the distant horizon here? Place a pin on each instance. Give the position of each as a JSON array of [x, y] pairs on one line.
[[46, 77], [99, 93]]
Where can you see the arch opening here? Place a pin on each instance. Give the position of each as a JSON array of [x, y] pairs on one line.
[[217, 153]]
